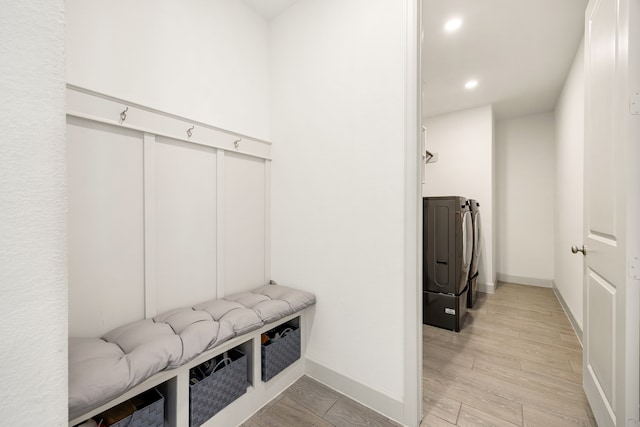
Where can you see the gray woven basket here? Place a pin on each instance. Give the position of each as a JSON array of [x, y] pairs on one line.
[[211, 394], [280, 353], [151, 415]]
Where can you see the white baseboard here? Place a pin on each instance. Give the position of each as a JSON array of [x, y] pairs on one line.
[[487, 288], [576, 327], [375, 400], [531, 281]]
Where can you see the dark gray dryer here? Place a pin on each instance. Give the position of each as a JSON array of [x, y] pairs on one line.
[[475, 259], [447, 250]]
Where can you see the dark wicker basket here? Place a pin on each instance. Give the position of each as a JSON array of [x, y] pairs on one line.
[[214, 392], [151, 415], [278, 354]]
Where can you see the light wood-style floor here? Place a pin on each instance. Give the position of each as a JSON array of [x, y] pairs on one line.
[[307, 403], [516, 362]]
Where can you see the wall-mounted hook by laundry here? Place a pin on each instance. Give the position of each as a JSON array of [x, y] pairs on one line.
[[190, 131], [123, 115], [236, 143], [430, 157]]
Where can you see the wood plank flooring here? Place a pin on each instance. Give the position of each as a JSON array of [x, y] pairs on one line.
[[516, 362], [307, 403]]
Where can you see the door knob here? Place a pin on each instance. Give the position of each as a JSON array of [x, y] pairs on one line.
[[576, 249]]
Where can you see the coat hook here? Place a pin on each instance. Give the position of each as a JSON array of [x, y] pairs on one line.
[[236, 143], [123, 115], [189, 131]]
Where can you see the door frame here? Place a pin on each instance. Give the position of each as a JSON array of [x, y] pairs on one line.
[[413, 219]]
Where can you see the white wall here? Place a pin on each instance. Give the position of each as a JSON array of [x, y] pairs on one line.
[[569, 152], [205, 60], [525, 171], [338, 127], [33, 299], [464, 143]]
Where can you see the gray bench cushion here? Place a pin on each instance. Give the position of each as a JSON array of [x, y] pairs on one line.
[[101, 369], [279, 295]]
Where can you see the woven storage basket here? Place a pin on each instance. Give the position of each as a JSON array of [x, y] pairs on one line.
[[211, 394], [151, 415], [278, 354]]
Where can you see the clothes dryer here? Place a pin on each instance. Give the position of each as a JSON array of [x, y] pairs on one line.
[[447, 253], [475, 259]]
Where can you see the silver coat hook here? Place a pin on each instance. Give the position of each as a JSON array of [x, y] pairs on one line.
[[236, 143], [189, 131], [123, 115]]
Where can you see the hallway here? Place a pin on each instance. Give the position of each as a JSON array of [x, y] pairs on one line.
[[516, 362]]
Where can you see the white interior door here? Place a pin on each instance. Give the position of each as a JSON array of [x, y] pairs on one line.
[[610, 364]]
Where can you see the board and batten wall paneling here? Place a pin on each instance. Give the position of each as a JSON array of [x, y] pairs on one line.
[[158, 222], [105, 226], [185, 215], [244, 223]]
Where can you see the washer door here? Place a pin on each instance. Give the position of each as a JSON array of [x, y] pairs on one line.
[[467, 242], [476, 234], [473, 270]]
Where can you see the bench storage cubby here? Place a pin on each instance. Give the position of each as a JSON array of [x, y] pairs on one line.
[[280, 348], [143, 410], [215, 384]]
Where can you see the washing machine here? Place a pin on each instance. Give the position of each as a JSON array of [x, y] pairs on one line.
[[475, 258], [447, 252]]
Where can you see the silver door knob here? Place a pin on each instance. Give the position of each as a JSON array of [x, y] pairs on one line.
[[576, 249]]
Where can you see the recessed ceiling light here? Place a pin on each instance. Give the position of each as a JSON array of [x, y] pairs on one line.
[[471, 84], [452, 25]]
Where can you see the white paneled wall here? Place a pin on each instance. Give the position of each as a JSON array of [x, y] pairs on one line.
[[158, 219], [106, 236], [244, 217], [185, 212]]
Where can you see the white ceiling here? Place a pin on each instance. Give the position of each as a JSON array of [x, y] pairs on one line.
[[520, 51], [269, 8]]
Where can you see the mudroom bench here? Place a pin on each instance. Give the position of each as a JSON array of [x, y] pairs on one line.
[[213, 364]]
